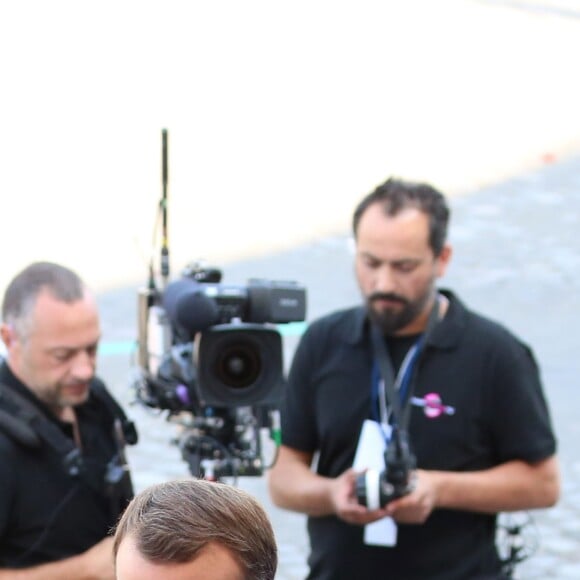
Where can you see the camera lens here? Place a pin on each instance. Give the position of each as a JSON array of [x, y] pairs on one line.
[[238, 365]]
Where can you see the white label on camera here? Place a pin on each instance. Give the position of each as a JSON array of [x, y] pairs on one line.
[[371, 447], [370, 455], [372, 489]]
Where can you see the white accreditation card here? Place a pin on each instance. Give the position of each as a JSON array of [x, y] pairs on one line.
[[370, 455]]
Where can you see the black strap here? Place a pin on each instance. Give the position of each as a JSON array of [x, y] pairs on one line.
[[25, 423], [31, 419], [130, 434], [17, 428], [400, 411]]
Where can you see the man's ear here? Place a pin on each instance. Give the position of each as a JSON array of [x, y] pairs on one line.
[[443, 260], [7, 334]]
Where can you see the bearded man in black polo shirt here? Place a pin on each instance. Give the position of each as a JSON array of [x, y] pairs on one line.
[[63, 482], [469, 396]]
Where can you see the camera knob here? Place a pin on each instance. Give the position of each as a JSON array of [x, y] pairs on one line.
[[368, 489]]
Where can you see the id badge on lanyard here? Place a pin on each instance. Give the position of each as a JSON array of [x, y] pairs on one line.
[[382, 411]]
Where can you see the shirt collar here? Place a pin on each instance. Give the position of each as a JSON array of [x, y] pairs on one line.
[[447, 333], [10, 380], [356, 329]]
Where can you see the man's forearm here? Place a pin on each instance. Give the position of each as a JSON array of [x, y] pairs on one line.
[[94, 564], [68, 568], [512, 486], [302, 491], [295, 487]]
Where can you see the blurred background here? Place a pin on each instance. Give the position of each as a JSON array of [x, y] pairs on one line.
[[280, 116]]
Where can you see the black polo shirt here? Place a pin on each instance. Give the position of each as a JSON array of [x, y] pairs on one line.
[[474, 365], [45, 514]]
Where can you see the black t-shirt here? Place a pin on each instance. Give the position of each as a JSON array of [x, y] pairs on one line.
[[46, 514], [474, 365], [398, 347]]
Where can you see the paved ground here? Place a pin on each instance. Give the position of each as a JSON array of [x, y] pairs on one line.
[[517, 259]]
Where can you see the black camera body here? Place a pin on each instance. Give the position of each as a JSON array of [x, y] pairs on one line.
[[376, 489], [211, 355]]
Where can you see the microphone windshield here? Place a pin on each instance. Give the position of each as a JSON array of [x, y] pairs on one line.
[[188, 307]]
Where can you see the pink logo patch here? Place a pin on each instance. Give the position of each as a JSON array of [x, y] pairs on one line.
[[432, 406]]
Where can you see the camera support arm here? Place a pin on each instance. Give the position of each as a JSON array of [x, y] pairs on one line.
[[163, 207]]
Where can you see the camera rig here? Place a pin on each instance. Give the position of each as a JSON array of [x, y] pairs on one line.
[[376, 489], [210, 357]]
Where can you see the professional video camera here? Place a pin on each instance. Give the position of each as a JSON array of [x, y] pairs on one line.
[[376, 489], [210, 356], [221, 371]]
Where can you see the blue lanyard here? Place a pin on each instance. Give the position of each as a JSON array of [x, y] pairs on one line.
[[400, 388], [402, 381]]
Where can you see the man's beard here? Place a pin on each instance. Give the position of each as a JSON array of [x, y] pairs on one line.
[[56, 396], [390, 320]]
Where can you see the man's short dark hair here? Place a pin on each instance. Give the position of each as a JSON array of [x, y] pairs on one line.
[[173, 521], [395, 195], [22, 292]]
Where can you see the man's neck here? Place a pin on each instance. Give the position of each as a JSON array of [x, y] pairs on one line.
[[68, 415], [419, 325]]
